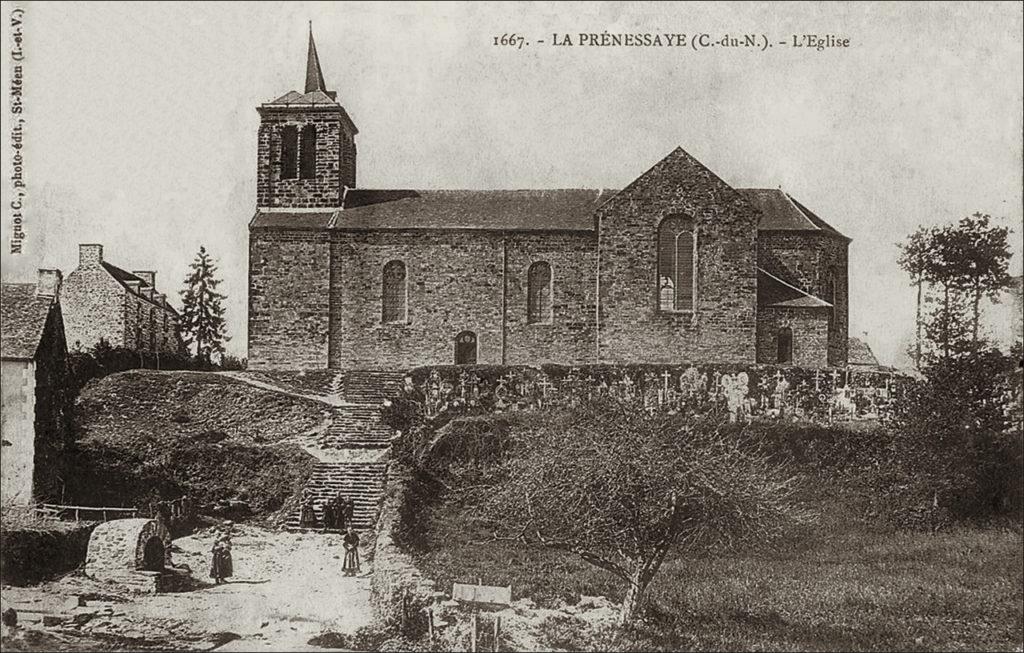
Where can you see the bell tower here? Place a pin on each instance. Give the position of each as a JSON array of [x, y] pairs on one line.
[[307, 148]]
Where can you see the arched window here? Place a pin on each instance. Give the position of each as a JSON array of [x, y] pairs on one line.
[[393, 302], [289, 151], [785, 345], [677, 260], [538, 295], [307, 152]]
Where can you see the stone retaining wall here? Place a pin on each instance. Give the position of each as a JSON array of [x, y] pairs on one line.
[[394, 573]]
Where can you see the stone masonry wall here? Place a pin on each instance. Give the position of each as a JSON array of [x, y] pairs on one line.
[[335, 160], [17, 417], [289, 284], [723, 326], [571, 337], [93, 306], [454, 281], [811, 257], [810, 335]]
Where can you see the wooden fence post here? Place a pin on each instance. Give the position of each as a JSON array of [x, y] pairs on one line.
[[497, 631], [473, 632]]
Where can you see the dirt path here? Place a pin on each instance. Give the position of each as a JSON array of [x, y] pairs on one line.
[[287, 588]]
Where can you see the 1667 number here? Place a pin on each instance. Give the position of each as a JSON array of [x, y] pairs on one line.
[[510, 40]]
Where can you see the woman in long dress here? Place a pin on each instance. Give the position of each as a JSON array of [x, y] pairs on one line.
[[221, 568], [307, 518], [350, 542]]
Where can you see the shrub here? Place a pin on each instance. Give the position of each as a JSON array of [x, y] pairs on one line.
[[955, 440]]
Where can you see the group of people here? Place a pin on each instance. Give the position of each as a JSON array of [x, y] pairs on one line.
[[222, 567], [337, 512]]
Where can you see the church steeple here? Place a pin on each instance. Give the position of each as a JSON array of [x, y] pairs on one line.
[[314, 76]]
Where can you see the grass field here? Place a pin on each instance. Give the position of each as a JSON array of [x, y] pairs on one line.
[[843, 583]]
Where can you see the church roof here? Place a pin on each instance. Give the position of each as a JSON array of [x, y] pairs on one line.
[[859, 353], [487, 210], [780, 212], [512, 210], [775, 292], [23, 316]]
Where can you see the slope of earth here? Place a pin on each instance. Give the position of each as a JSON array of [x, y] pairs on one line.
[[145, 435]]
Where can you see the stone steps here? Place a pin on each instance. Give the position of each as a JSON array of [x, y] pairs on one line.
[[361, 482], [369, 386], [356, 427]]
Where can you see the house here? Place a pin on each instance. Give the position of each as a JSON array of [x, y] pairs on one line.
[[103, 301], [676, 267], [37, 389]]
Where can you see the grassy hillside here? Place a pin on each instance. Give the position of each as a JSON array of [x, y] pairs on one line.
[[850, 580], [146, 434]]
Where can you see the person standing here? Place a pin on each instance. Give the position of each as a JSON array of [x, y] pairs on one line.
[[350, 542], [222, 567], [307, 514], [330, 515]]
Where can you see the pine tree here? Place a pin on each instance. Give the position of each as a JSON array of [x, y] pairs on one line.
[[202, 316]]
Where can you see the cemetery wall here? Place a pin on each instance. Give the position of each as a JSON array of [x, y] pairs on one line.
[[746, 391]]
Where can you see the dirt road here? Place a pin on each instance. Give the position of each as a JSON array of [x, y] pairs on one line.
[[287, 588]]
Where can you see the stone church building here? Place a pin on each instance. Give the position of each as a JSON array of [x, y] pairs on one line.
[[676, 267]]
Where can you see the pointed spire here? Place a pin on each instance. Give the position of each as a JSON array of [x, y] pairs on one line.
[[314, 76]]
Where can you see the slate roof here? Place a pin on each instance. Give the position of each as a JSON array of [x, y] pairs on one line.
[[123, 277], [22, 320], [512, 210], [780, 212], [775, 292], [488, 210], [859, 353]]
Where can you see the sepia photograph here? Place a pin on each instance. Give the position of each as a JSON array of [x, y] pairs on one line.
[[512, 326]]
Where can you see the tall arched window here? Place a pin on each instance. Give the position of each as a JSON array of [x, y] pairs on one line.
[[538, 295], [393, 296], [289, 151], [785, 345], [307, 153], [677, 260]]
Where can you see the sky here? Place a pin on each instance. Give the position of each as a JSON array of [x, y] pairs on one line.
[[140, 120]]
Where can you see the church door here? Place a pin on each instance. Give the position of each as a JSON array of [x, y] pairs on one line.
[[465, 348]]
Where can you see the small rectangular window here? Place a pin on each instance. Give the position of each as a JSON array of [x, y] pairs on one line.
[[289, 152]]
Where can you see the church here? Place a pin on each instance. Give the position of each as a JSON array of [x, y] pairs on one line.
[[677, 267]]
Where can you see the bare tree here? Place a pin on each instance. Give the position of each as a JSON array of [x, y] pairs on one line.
[[620, 487]]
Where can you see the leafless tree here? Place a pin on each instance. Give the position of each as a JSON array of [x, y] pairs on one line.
[[620, 487]]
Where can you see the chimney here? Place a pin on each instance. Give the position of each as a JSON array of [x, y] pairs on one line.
[[49, 283], [148, 276], [160, 298], [90, 255], [147, 292], [133, 286]]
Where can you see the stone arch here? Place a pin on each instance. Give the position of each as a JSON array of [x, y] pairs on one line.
[[126, 545]]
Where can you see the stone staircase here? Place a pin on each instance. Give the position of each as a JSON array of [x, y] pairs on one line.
[[356, 426], [369, 386], [361, 482]]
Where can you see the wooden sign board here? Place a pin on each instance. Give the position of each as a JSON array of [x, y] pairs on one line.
[[487, 595]]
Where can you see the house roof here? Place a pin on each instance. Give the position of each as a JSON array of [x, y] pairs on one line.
[[123, 277], [780, 212], [22, 320], [775, 292], [488, 210], [859, 353]]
